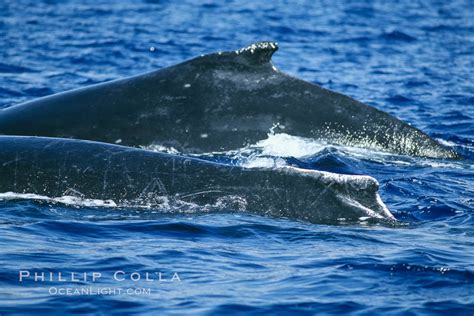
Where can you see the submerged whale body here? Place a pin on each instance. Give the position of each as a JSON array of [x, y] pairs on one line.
[[215, 102], [55, 167]]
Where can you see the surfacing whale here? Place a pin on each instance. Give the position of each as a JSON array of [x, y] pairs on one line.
[[215, 102], [55, 167]]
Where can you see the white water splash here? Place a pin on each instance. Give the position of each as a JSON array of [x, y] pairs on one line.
[[65, 199], [285, 145], [268, 153], [262, 162], [161, 149], [162, 204]]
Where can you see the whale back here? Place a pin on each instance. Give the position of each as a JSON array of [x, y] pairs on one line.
[[54, 168], [215, 102]]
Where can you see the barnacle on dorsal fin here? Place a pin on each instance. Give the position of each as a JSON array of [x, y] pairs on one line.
[[257, 53]]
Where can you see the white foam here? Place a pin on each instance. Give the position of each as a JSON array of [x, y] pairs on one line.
[[161, 149], [266, 153], [66, 199], [162, 204], [263, 162], [285, 145]]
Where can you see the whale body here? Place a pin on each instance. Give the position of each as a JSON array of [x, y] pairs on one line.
[[216, 102], [55, 167]]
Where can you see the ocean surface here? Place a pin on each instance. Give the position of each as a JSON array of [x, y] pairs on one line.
[[413, 59]]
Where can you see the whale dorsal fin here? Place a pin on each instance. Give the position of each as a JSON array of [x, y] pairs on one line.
[[257, 53]]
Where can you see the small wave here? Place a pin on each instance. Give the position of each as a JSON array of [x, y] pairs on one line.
[[398, 36], [7, 68], [399, 99]]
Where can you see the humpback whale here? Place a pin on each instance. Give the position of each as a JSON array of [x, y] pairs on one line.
[[131, 176], [216, 102]]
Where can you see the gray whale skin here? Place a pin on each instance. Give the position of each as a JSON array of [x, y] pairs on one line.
[[216, 102], [55, 167]]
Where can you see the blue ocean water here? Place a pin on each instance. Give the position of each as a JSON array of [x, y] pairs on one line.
[[413, 59]]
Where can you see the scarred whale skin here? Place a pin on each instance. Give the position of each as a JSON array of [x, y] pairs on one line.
[[215, 102], [55, 167]]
